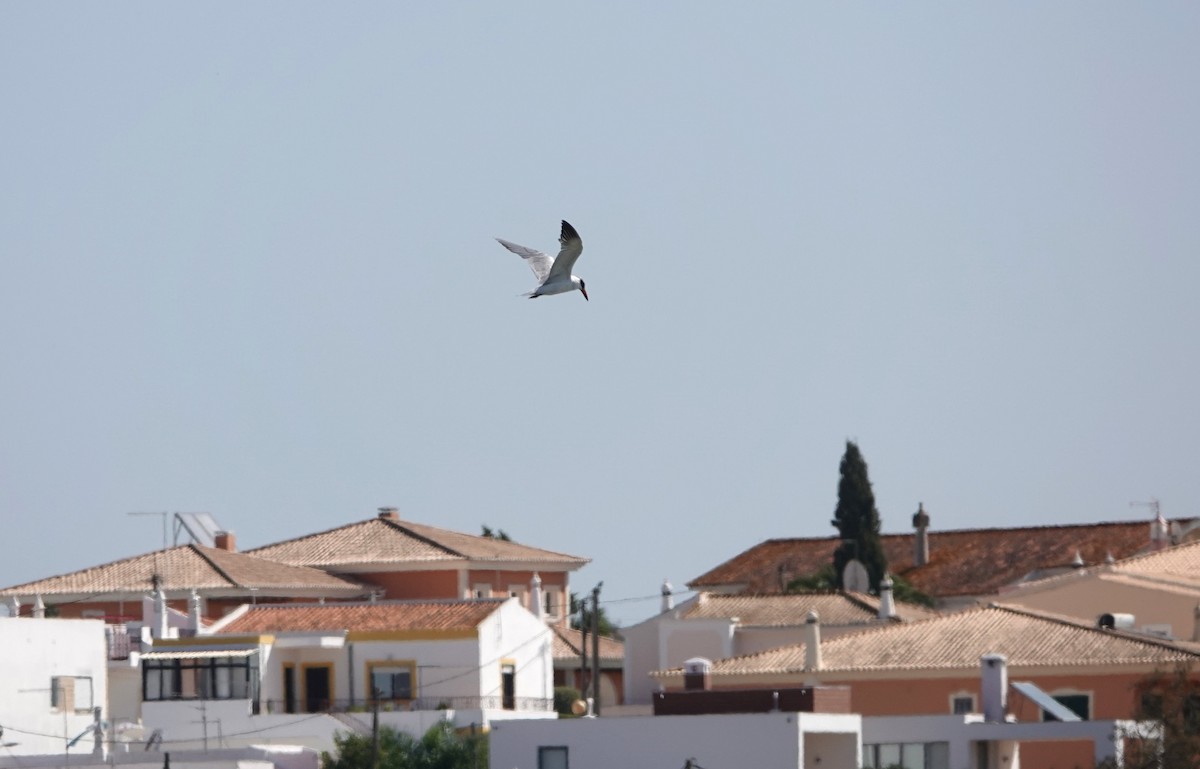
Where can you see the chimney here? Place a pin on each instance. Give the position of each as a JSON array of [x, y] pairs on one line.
[[535, 596], [389, 513], [697, 674], [225, 540], [668, 602], [195, 619], [993, 687], [1077, 561], [887, 607], [921, 524], [161, 622], [812, 641], [1160, 532]]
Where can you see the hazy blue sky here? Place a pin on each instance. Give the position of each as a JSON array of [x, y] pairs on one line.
[[247, 268]]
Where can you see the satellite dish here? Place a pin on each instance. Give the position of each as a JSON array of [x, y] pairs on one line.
[[855, 577]]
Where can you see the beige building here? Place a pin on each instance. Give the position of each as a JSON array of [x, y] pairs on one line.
[[1157, 593]]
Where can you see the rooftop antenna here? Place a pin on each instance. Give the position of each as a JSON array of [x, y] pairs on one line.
[[163, 515], [1152, 504]]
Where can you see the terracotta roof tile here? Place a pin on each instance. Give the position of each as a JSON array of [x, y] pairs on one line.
[[834, 608], [957, 642], [185, 568], [567, 641], [379, 616], [383, 541], [962, 562]]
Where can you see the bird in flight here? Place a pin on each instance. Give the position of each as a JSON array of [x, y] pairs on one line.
[[553, 273]]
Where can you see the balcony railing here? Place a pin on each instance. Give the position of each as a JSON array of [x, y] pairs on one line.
[[521, 704]]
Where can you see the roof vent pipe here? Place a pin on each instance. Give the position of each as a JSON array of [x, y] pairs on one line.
[[921, 524], [887, 606], [993, 687], [668, 602], [812, 641]]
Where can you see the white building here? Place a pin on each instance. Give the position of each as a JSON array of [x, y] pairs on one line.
[[776, 740], [53, 677], [261, 674]]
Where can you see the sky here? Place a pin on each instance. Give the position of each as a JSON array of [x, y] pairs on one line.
[[247, 268]]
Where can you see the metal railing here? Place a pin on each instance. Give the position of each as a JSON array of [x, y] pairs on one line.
[[520, 704]]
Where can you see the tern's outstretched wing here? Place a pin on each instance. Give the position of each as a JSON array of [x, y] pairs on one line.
[[538, 262], [572, 247]]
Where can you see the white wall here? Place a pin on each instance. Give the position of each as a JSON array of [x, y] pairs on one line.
[[515, 635], [32, 653], [774, 740]]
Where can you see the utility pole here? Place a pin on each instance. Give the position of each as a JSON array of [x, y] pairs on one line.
[[583, 652], [596, 646], [375, 694]]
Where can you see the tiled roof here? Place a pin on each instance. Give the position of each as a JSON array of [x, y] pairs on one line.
[[189, 567], [1180, 563], [567, 641], [380, 616], [963, 562], [957, 642], [834, 608], [384, 541]]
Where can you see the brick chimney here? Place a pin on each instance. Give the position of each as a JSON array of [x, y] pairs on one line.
[[225, 540], [921, 524], [389, 513]]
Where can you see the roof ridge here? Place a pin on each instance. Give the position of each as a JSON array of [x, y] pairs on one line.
[[1075, 622], [97, 567], [313, 534], [200, 550], [935, 531], [426, 539], [389, 602]]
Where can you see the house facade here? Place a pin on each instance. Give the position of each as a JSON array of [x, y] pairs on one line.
[[717, 626], [400, 559], [931, 668], [306, 670]]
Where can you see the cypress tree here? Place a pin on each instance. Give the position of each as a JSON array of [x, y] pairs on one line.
[[857, 520]]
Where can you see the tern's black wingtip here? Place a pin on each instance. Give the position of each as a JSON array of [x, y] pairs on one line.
[[568, 232]]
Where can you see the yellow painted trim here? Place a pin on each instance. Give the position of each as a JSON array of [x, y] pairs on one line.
[[412, 635], [214, 640]]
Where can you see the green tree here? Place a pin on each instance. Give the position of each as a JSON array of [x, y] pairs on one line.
[[905, 592], [823, 579], [857, 520], [1172, 698], [497, 534], [606, 626], [439, 748]]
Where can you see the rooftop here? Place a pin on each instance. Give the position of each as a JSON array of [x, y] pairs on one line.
[[963, 562], [834, 607], [389, 616], [386, 540], [957, 641], [184, 568]]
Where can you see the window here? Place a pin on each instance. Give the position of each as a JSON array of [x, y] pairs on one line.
[[393, 680], [203, 678], [548, 597], [71, 693], [910, 755], [552, 757], [961, 704], [508, 686], [1078, 703]]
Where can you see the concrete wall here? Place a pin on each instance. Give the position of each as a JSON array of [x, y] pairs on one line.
[[32, 653], [776, 740]]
